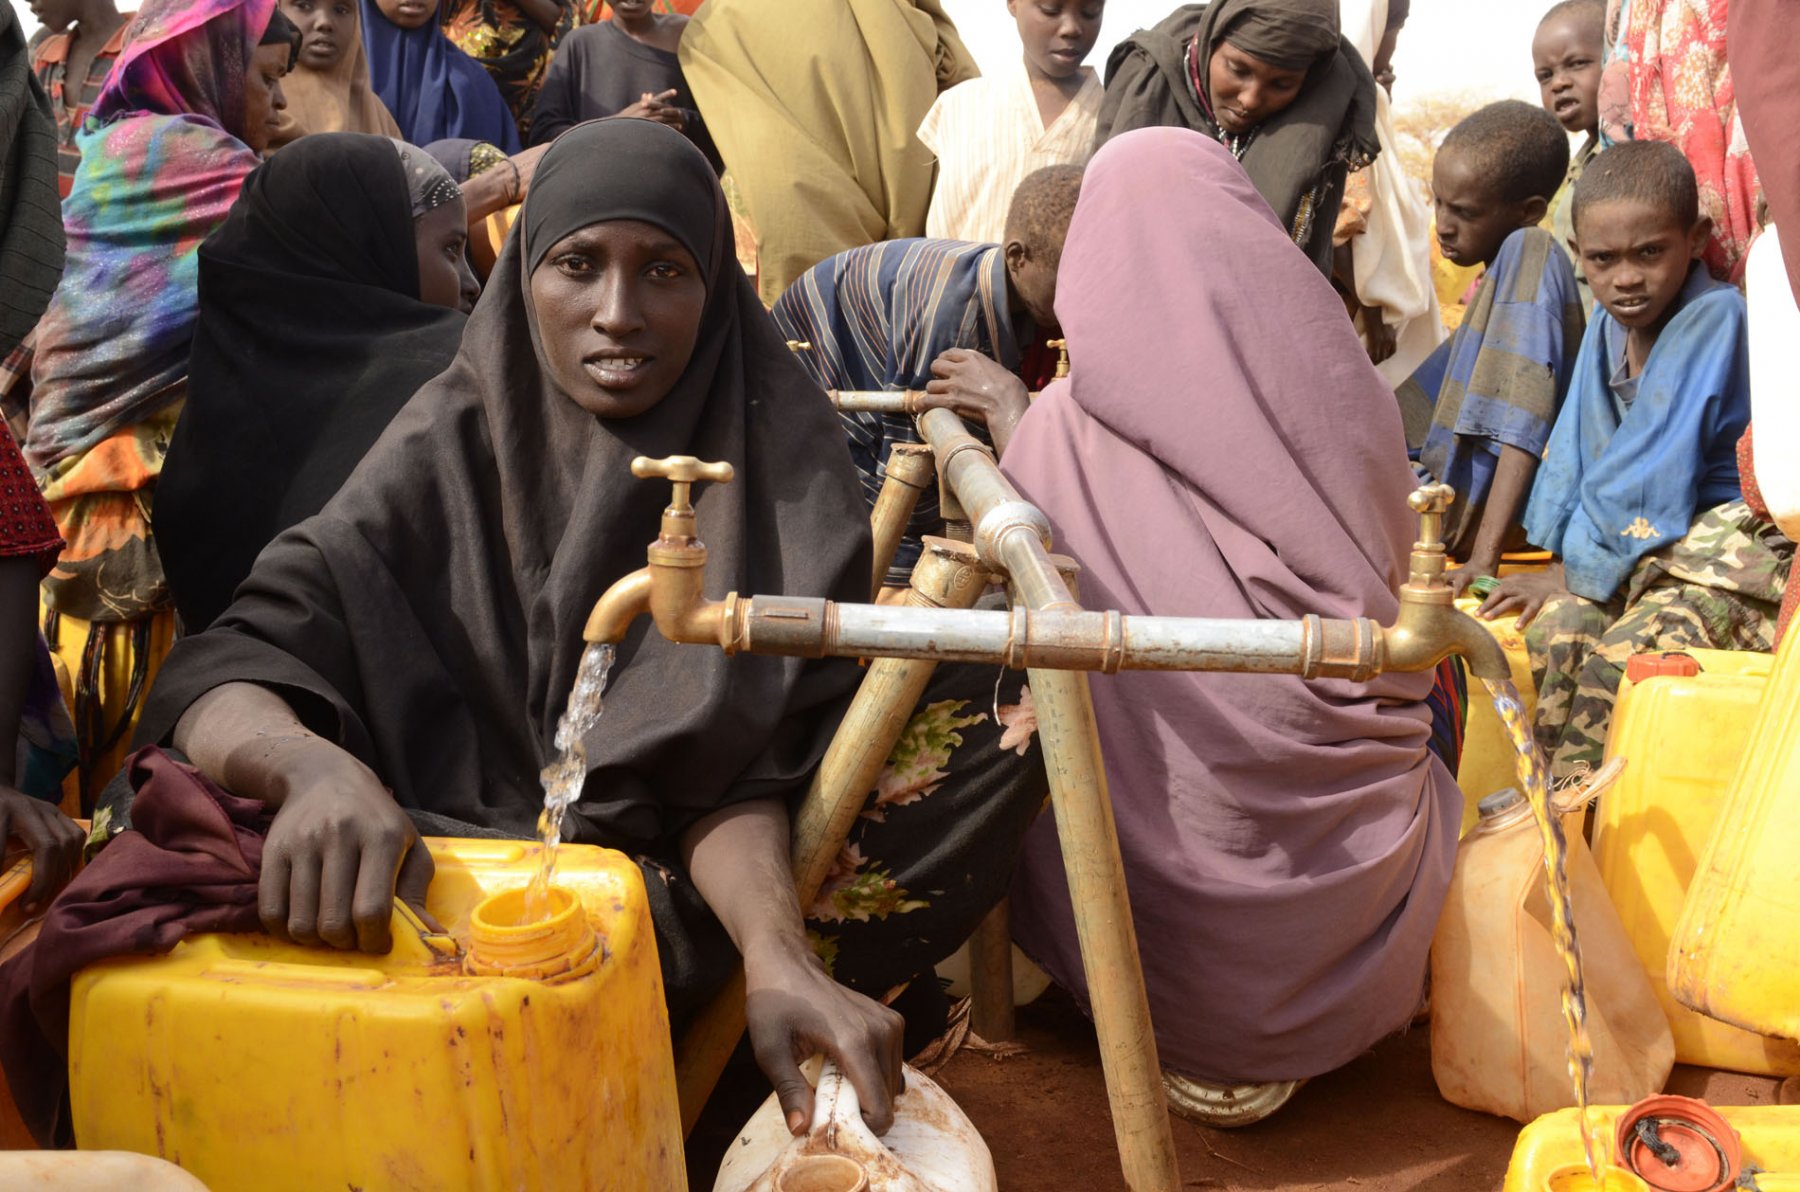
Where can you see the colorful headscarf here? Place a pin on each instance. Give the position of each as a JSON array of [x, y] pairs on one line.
[[162, 160]]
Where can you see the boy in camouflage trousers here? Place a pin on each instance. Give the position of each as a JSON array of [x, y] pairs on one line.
[[1639, 495]]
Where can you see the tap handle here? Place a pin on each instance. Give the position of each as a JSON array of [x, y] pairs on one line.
[[1430, 502], [683, 470]]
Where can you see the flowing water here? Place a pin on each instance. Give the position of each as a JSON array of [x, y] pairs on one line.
[[1534, 776], [563, 777]]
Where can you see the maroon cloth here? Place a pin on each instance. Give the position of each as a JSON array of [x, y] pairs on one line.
[[26, 526], [1766, 74], [1227, 450], [189, 864]]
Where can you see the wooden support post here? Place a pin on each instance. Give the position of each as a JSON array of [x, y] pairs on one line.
[[1109, 955], [990, 976]]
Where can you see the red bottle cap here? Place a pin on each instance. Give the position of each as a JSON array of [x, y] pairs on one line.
[[1645, 666], [1678, 1144]]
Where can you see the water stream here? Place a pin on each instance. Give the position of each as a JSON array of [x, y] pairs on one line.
[[1534, 776], [563, 777]]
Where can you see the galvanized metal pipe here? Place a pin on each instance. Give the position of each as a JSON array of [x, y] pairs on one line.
[[1012, 535], [1062, 639], [876, 401]]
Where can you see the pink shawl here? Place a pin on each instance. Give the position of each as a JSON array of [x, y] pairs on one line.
[[1224, 448]]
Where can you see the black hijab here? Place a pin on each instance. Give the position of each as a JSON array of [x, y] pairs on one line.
[[429, 619], [31, 231], [311, 337], [1298, 158]]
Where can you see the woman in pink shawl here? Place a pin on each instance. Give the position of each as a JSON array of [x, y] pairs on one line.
[[1229, 451]]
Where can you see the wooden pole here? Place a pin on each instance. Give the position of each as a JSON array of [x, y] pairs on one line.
[[990, 976], [910, 467], [1109, 954], [948, 575]]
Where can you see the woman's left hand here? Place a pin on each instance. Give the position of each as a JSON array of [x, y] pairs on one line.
[[795, 1011], [976, 387]]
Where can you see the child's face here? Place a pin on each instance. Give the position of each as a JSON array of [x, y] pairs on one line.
[[440, 236], [1245, 90], [1566, 56], [326, 27], [1636, 256], [1058, 34], [408, 14], [1473, 221], [1034, 282]]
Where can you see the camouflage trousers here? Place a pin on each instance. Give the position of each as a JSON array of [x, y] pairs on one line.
[[1718, 588]]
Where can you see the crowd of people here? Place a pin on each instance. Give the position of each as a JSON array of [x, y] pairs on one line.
[[308, 509]]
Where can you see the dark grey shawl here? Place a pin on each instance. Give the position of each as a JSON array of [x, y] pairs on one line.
[[1298, 158]]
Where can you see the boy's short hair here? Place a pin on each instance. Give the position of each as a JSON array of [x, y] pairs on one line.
[[1576, 8], [1650, 172], [1518, 145], [1041, 209]]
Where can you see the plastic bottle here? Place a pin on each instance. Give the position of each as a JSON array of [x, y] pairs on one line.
[[931, 1147], [1498, 1039]]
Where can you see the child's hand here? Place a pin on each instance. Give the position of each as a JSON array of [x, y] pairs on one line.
[[656, 107], [1525, 593], [54, 840], [1460, 579], [976, 387]]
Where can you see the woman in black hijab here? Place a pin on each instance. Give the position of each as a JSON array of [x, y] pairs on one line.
[[420, 635], [334, 290], [1275, 82]]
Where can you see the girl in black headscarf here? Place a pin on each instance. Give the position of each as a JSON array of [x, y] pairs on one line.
[[335, 288], [1275, 82], [421, 633]]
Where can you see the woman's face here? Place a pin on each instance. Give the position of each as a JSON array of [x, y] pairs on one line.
[[445, 279], [326, 27], [408, 14], [618, 310], [1245, 90], [263, 100]]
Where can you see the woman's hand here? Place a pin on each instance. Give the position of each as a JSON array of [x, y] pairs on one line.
[[1525, 593], [976, 387], [338, 853], [54, 840], [657, 107], [795, 1010]]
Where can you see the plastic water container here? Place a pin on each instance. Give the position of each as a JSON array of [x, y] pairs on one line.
[[1498, 1039], [91, 1171], [1682, 737], [1735, 955], [931, 1147], [539, 1059], [1548, 1153], [1489, 762]]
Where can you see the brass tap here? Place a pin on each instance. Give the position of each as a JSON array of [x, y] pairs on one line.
[[799, 345], [1429, 628], [672, 587], [1062, 356]]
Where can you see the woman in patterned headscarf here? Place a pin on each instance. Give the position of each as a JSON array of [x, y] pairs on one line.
[[1275, 82], [352, 245], [192, 101]]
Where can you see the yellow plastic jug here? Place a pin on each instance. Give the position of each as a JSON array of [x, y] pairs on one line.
[[540, 1060], [1735, 955], [1489, 762], [1548, 1153], [1682, 738], [1498, 1040]]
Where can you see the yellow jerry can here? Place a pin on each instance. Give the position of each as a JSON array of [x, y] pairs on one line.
[[1682, 738], [1548, 1154], [1735, 954], [1489, 762], [538, 1058]]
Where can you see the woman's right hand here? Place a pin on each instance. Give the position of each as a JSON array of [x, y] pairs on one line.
[[338, 853], [794, 1010]]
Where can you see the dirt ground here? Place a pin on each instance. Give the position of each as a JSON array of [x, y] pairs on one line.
[[1377, 1124]]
